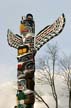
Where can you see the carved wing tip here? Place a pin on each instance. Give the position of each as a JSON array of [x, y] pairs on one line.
[[63, 15], [64, 19], [8, 30]]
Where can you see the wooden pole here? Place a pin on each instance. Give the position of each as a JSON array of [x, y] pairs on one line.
[[26, 68]]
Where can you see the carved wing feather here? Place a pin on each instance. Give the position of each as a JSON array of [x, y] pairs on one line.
[[49, 32], [14, 40]]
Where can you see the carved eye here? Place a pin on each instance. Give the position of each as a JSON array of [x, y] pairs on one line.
[[23, 50], [30, 65], [20, 51]]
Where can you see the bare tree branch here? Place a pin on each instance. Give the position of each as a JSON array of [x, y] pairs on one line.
[[42, 99]]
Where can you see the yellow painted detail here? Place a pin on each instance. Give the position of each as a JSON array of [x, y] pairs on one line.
[[22, 51], [22, 27]]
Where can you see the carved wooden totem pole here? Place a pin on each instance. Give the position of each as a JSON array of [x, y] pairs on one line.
[[27, 44]]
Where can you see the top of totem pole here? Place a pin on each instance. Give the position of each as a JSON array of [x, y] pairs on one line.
[[27, 25], [27, 28]]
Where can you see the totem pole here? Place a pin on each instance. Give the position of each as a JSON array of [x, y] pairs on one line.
[[27, 44]]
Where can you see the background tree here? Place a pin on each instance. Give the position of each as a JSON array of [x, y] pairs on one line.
[[65, 66], [47, 66]]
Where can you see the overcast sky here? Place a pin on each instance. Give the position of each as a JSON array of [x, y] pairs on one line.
[[45, 12]]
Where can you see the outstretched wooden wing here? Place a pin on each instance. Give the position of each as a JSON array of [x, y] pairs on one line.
[[49, 32], [14, 40]]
